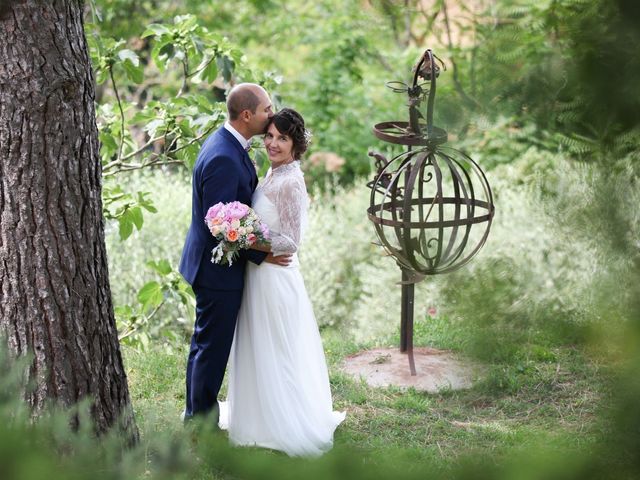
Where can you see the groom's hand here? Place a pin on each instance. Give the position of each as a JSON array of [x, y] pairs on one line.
[[282, 260]]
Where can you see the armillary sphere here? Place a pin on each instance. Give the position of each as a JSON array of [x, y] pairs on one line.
[[431, 205]]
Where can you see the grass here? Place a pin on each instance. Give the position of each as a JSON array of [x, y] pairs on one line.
[[551, 400]]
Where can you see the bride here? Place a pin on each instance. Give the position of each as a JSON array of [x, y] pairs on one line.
[[279, 394]]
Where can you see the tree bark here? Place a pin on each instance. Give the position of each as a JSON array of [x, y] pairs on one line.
[[55, 301]]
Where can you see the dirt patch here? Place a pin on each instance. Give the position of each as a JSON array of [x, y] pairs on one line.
[[435, 369]]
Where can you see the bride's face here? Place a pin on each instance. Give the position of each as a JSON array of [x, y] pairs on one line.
[[279, 146]]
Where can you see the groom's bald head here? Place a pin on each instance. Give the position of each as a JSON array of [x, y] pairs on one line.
[[244, 96]]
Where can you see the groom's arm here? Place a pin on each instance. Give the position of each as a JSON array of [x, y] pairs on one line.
[[256, 256], [219, 182], [282, 260]]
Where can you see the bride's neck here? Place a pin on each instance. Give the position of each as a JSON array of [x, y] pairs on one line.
[[281, 164]]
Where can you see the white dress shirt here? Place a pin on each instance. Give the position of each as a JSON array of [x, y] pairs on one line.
[[243, 141]]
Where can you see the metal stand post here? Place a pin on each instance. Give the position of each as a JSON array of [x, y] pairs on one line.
[[406, 320]]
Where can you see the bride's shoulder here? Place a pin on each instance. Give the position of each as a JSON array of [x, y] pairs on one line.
[[295, 179]]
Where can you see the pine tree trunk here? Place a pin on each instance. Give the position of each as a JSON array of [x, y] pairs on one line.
[[55, 301]]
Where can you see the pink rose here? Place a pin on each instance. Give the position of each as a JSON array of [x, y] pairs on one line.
[[251, 238], [213, 211], [265, 230], [237, 210]]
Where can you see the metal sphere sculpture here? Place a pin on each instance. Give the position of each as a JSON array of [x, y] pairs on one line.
[[431, 205]]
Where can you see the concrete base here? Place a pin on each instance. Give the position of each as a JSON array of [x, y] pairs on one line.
[[436, 369]]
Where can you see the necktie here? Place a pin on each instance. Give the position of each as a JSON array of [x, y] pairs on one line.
[[251, 160]]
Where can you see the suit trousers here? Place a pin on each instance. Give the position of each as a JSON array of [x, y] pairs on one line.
[[216, 315]]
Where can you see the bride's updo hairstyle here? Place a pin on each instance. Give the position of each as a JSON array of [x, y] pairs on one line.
[[290, 123]]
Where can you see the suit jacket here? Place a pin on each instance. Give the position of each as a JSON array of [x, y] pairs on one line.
[[223, 173]]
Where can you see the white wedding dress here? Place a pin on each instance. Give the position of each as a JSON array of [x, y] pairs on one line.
[[279, 395]]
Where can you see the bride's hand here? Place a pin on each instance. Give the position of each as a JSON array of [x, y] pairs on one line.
[[282, 260]]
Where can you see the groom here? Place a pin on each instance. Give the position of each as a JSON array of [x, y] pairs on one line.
[[223, 173]]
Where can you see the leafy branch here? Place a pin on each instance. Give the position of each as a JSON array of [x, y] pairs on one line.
[[118, 166], [168, 287], [175, 125]]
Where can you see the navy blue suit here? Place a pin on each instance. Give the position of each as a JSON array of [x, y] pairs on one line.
[[223, 173]]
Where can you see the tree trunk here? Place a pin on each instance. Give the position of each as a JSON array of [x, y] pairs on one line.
[[55, 301]]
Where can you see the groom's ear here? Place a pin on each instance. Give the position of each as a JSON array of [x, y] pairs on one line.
[[245, 115]]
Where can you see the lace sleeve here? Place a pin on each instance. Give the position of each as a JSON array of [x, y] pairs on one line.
[[291, 201]]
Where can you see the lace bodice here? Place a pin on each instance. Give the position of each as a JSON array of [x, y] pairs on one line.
[[285, 190]]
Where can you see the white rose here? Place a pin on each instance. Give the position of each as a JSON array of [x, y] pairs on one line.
[[242, 231], [235, 224], [249, 229]]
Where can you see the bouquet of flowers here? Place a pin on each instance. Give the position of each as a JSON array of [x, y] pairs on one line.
[[236, 226]]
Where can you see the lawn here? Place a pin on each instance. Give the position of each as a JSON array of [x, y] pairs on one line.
[[550, 403]]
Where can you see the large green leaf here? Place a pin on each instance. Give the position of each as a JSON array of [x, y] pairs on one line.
[[134, 73], [101, 75], [207, 70], [163, 267], [162, 54], [125, 226], [108, 144], [131, 65], [155, 29], [136, 217], [226, 65], [150, 295], [146, 203], [129, 55], [186, 22]]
